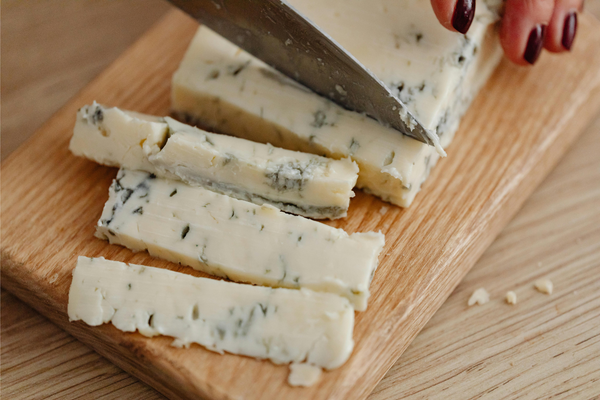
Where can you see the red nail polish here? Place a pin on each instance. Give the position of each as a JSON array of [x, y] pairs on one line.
[[569, 30], [535, 43], [463, 15]]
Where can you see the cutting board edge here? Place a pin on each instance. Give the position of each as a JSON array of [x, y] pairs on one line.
[[548, 159], [482, 244], [90, 337]]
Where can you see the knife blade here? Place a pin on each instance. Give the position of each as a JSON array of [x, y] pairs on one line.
[[274, 32]]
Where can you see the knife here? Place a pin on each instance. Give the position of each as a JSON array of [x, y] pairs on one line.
[[276, 33]]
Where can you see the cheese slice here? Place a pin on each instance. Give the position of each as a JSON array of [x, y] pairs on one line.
[[237, 240], [300, 183], [281, 325], [434, 71]]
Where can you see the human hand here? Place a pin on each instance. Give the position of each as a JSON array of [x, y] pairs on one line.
[[527, 26]]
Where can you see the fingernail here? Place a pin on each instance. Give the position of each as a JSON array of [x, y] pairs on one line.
[[535, 43], [569, 30], [463, 15]]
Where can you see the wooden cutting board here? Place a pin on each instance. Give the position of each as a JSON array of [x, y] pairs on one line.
[[52, 200]]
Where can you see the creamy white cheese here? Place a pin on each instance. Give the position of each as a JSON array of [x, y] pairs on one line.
[[511, 297], [235, 239], [402, 43], [113, 137], [282, 325], [303, 374], [479, 296], [295, 182], [544, 286], [434, 71]]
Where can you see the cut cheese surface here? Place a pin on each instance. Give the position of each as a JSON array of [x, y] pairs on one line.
[[114, 137], [282, 325], [300, 183], [434, 71], [235, 239]]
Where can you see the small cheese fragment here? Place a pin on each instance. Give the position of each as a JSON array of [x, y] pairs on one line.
[[303, 374], [235, 239], [434, 71], [281, 325], [480, 296], [544, 286], [511, 297], [300, 183]]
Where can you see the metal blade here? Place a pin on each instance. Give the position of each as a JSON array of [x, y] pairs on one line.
[[276, 33]]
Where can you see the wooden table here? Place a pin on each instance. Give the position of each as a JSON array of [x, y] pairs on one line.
[[544, 345]]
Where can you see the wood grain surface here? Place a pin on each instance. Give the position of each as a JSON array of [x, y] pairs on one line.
[[539, 164], [52, 49]]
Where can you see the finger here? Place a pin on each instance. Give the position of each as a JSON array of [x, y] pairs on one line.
[[455, 15], [563, 26], [523, 29]]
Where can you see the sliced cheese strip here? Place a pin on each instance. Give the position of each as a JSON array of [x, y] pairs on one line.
[[235, 239], [292, 181], [436, 72], [281, 325]]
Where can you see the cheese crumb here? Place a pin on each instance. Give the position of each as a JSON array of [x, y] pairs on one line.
[[544, 286], [480, 296], [341, 90], [511, 297], [53, 279], [303, 374], [383, 210]]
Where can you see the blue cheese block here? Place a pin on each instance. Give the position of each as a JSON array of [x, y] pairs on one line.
[[236, 239], [404, 45], [434, 71], [300, 183], [280, 325]]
